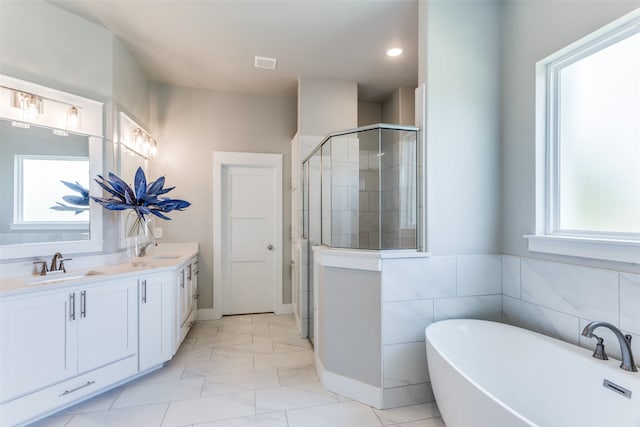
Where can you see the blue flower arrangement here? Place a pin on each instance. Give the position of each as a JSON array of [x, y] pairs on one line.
[[144, 198], [73, 203]]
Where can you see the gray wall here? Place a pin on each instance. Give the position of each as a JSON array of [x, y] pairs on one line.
[[532, 31], [189, 125], [69, 53], [462, 73]]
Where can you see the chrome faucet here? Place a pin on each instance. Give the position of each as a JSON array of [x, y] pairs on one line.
[[625, 344]]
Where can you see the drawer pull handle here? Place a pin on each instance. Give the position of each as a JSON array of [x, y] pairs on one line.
[[72, 306], [77, 388]]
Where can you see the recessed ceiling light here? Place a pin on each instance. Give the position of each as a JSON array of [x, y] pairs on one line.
[[394, 51], [265, 62]]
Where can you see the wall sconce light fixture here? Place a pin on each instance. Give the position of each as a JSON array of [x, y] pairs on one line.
[[31, 105], [144, 144], [73, 118]]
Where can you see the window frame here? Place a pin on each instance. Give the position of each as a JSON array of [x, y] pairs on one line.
[[19, 223], [548, 237]]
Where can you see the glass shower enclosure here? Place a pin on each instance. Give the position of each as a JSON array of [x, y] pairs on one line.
[[360, 191]]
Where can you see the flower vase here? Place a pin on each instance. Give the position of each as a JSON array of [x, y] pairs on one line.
[[139, 238]]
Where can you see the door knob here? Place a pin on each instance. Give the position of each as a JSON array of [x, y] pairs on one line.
[[270, 247]]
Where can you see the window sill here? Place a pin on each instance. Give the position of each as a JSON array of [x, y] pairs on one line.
[[604, 249]]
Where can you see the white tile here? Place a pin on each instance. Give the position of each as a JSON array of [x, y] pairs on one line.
[[408, 413], [242, 350], [218, 366], [274, 419], [287, 345], [432, 422], [223, 339], [239, 328], [418, 278], [295, 376], [630, 303], [284, 360], [236, 320], [148, 415], [511, 276], [54, 421], [479, 275], [586, 292], [206, 409], [291, 397], [170, 372], [540, 319], [166, 391], [405, 321], [101, 402], [187, 356], [267, 378], [408, 395], [405, 364], [486, 307], [348, 414]]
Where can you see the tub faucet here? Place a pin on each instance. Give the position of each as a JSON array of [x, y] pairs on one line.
[[625, 344]]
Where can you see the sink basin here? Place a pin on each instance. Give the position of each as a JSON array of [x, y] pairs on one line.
[[62, 277]]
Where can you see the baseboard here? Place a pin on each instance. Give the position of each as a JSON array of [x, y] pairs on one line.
[[207, 314], [349, 387], [284, 309]]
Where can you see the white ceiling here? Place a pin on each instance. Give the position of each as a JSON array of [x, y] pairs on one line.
[[212, 43]]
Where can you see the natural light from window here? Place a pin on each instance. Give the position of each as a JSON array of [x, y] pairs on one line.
[[598, 144], [41, 188]]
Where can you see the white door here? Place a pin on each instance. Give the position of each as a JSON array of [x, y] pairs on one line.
[[248, 239], [247, 233]]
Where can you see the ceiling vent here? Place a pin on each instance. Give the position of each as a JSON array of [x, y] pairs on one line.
[[264, 62]]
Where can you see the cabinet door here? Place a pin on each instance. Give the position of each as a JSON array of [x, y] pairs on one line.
[[108, 323], [155, 320], [184, 295], [38, 342]]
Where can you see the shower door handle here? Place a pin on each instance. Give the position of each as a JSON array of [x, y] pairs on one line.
[[270, 247]]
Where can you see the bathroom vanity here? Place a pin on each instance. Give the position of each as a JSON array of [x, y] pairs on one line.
[[67, 337]]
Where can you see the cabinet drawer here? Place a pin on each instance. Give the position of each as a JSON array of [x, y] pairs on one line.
[[19, 411]]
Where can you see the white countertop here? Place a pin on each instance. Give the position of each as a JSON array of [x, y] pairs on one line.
[[166, 258]]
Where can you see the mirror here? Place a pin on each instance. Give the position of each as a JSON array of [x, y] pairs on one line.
[[46, 174], [34, 163], [129, 157]]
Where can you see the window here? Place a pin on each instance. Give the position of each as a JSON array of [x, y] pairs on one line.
[[588, 137], [39, 188]]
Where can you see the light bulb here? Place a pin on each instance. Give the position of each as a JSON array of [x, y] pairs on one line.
[[32, 108], [73, 118]]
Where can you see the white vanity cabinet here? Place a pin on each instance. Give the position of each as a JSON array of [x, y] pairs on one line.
[[59, 346], [38, 345], [64, 341], [156, 319], [187, 299]]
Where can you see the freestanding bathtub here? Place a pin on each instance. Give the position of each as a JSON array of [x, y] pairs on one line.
[[495, 375]]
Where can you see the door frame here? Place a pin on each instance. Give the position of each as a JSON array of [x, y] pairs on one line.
[[223, 159]]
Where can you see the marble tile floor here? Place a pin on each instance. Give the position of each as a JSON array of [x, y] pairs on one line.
[[250, 370]]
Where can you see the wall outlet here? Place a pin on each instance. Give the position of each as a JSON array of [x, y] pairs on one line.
[[158, 232]]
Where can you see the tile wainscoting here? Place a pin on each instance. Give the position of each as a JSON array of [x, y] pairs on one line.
[[559, 299], [419, 291]]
